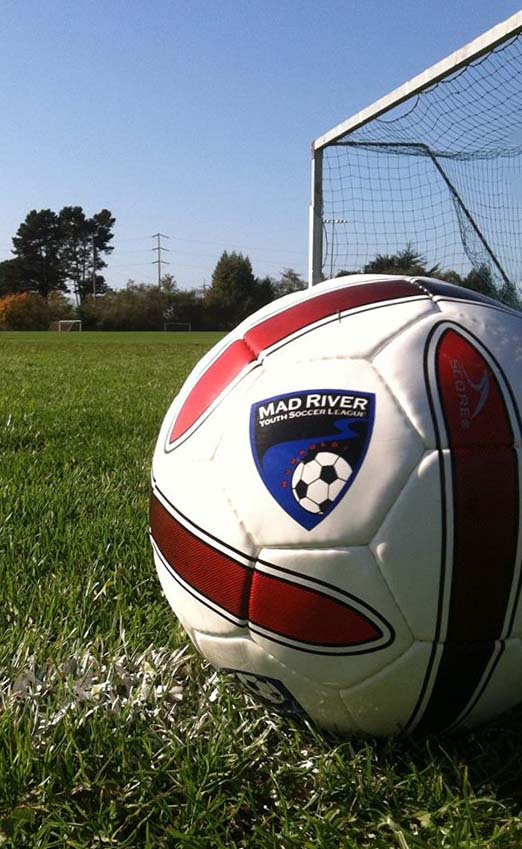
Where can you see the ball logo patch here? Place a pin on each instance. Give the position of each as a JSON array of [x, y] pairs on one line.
[[309, 446]]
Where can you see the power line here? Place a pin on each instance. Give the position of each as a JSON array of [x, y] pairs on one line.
[[238, 247], [221, 243]]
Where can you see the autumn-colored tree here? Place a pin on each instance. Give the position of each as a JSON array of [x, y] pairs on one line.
[[25, 311], [30, 311]]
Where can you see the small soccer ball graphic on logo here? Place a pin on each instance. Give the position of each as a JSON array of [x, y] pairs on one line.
[[317, 483], [337, 501]]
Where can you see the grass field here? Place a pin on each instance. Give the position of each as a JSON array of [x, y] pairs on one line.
[[112, 731]]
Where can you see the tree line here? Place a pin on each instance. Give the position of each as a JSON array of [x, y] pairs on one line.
[[234, 293], [55, 273], [56, 254], [411, 263]]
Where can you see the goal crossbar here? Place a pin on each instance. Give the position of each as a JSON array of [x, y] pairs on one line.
[[447, 67], [66, 325], [457, 60]]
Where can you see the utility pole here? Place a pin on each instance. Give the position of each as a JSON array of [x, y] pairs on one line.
[[159, 248], [93, 269]]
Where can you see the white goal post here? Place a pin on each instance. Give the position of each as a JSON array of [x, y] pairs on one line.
[[331, 222], [67, 326]]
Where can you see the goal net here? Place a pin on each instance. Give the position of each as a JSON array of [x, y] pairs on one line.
[[66, 326], [431, 173]]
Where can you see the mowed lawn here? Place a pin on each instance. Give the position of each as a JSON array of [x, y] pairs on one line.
[[112, 731]]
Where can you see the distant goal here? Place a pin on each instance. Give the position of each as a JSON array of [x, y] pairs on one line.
[[72, 326], [177, 326], [434, 168]]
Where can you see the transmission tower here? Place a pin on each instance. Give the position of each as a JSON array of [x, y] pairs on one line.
[[159, 248]]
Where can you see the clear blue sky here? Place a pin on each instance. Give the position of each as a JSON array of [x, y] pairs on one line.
[[196, 118]]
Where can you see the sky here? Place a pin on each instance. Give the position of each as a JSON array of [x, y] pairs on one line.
[[195, 119]]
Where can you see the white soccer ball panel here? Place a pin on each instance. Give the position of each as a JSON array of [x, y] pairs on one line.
[[383, 703], [317, 491], [342, 468], [503, 690], [309, 505], [335, 488], [308, 472], [401, 364], [407, 547], [328, 458], [322, 704], [393, 452], [195, 488], [351, 577]]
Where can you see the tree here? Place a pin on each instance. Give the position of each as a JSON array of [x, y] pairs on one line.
[[407, 261], [262, 294], [37, 247], [168, 283], [189, 306], [235, 292], [480, 280], [11, 281], [509, 296], [84, 241], [53, 250], [290, 281], [344, 272]]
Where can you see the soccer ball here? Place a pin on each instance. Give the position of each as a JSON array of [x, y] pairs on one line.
[[318, 481], [335, 514]]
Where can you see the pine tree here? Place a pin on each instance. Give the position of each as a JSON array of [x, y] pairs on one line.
[[37, 247], [84, 241], [234, 291]]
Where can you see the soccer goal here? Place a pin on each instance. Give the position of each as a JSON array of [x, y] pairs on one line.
[[72, 326], [434, 168], [177, 326]]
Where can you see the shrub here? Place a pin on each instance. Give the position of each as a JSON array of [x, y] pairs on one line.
[[60, 309], [138, 307], [29, 311], [143, 307], [24, 311]]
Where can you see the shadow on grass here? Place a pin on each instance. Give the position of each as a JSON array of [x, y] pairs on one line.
[[490, 757]]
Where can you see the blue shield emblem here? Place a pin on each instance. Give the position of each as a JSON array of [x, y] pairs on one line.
[[309, 447]]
